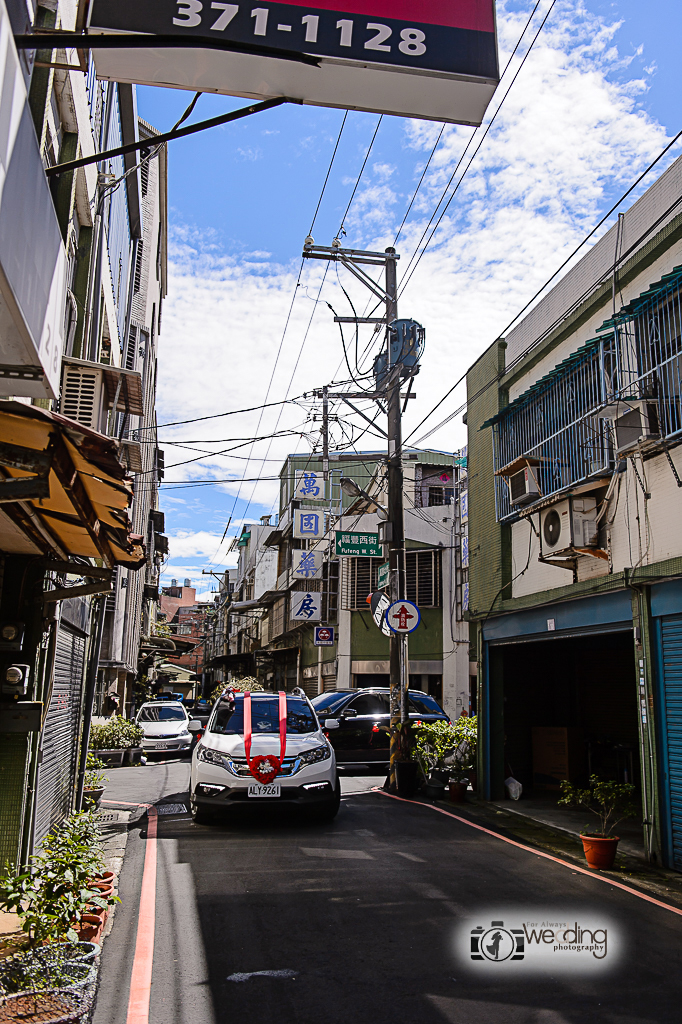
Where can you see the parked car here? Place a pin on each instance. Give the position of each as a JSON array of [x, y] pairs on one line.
[[360, 733], [221, 777], [165, 727]]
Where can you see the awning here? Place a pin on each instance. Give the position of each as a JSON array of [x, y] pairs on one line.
[[149, 644], [231, 659], [63, 490]]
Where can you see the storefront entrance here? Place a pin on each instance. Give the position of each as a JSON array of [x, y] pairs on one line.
[[569, 710]]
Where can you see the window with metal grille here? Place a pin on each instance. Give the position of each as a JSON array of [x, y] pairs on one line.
[[423, 582], [358, 580], [144, 177], [330, 600], [138, 266], [441, 495], [277, 617]]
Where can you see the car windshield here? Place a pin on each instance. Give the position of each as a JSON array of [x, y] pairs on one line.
[[161, 713], [424, 705], [328, 702], [229, 717]]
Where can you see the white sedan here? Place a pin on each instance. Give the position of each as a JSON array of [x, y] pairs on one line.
[[165, 727]]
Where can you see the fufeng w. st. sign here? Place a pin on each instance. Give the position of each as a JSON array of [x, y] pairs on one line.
[[421, 58]]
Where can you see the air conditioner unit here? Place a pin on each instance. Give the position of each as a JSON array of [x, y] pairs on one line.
[[523, 488], [634, 421], [82, 398], [569, 524]]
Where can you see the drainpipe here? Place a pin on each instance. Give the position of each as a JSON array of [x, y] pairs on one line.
[[90, 687], [91, 337], [644, 693]]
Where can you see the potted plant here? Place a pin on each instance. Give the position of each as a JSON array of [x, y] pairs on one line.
[[93, 790], [610, 802], [434, 743], [116, 740]]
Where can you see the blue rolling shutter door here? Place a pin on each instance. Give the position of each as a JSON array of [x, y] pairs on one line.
[[671, 636]]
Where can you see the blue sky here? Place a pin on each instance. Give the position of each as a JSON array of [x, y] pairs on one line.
[[597, 98]]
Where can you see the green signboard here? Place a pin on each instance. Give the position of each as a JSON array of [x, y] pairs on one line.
[[382, 576], [357, 545]]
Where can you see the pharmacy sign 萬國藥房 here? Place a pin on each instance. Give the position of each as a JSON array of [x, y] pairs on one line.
[[434, 60]]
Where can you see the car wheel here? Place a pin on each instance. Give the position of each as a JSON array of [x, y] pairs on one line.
[[200, 816]]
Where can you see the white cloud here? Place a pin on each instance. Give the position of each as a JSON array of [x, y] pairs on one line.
[[571, 135]]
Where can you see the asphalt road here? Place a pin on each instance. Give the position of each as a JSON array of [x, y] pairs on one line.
[[369, 919]]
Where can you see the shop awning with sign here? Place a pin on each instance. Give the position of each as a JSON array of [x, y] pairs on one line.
[[405, 57], [63, 490]]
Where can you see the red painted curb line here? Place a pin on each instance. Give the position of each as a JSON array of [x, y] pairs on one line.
[[530, 849], [141, 977]]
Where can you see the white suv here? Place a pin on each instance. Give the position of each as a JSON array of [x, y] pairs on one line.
[[222, 776], [165, 727]]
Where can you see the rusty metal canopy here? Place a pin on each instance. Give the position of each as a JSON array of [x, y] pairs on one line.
[[63, 490]]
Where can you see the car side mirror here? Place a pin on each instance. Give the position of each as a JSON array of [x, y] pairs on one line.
[[331, 723], [195, 725]]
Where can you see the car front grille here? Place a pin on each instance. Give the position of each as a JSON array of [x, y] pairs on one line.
[[240, 768]]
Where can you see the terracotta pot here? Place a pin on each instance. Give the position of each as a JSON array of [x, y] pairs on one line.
[[600, 851], [90, 927], [104, 888], [457, 792], [105, 876]]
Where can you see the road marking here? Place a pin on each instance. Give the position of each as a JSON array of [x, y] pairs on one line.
[[429, 892], [538, 853], [263, 974], [365, 833], [141, 977], [338, 854], [410, 856]]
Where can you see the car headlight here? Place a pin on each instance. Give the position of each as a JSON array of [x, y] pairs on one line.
[[184, 732], [315, 755], [211, 756]]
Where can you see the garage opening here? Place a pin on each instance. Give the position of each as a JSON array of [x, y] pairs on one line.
[[569, 711]]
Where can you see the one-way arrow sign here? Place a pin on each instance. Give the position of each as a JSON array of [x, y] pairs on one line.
[[402, 617]]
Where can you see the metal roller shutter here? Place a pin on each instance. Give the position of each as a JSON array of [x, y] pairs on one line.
[[671, 637], [56, 777]]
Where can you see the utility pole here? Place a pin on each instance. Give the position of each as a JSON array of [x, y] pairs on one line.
[[353, 260], [325, 432], [396, 540]]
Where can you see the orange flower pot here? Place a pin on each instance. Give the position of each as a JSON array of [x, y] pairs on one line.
[[600, 851], [90, 927]]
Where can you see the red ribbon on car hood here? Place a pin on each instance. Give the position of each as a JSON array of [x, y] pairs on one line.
[[265, 767]]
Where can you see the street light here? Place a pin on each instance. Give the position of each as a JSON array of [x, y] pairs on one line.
[[353, 490]]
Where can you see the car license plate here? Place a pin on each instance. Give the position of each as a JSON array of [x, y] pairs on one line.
[[162, 746], [261, 789]]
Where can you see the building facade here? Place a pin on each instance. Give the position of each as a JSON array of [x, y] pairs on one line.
[[575, 470]]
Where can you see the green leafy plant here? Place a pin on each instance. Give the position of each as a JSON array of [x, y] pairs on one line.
[[242, 685], [116, 733], [608, 800], [53, 895], [94, 772], [445, 746]]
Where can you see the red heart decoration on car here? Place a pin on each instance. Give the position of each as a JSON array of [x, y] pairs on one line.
[[265, 768]]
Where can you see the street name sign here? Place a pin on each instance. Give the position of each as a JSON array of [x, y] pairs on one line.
[[434, 60], [403, 617], [383, 575], [306, 606], [324, 636], [352, 544]]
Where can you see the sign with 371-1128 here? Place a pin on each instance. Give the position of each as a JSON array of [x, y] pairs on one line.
[[420, 37]]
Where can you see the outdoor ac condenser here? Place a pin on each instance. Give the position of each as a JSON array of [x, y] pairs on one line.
[[634, 424], [571, 523], [523, 488], [82, 398]]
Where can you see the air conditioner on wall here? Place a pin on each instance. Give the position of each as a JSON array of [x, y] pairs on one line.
[[634, 421], [523, 487], [571, 523]]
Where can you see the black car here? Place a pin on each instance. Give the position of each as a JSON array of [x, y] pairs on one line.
[[362, 737]]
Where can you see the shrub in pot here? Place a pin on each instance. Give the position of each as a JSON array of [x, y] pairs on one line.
[[93, 788], [445, 750], [610, 802], [116, 733]]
